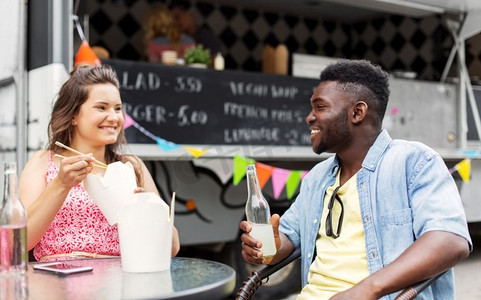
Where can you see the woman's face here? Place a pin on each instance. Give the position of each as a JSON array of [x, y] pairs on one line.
[[100, 118]]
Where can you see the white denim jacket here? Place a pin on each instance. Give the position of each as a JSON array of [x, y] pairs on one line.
[[405, 190]]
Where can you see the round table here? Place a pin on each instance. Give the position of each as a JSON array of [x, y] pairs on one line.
[[188, 278]]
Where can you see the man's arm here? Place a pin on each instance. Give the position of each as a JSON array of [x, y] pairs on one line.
[[433, 253]]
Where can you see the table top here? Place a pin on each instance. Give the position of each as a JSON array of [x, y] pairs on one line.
[[188, 278]]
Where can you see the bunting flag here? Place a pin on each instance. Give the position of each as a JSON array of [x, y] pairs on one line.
[[292, 182], [463, 168], [263, 173], [240, 164], [128, 121], [195, 152], [279, 178], [165, 145]]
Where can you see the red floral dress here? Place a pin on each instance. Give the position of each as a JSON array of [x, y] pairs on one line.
[[78, 226]]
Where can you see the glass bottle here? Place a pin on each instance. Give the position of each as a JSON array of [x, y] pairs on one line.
[[14, 287], [219, 63], [258, 213], [13, 226]]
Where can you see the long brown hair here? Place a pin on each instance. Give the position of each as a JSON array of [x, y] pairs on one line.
[[72, 95]]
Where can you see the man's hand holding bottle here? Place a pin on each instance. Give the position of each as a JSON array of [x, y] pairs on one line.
[[251, 247]]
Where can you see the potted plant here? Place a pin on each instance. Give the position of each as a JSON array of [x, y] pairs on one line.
[[197, 56]]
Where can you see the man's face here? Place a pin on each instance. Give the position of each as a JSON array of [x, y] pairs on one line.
[[328, 119]]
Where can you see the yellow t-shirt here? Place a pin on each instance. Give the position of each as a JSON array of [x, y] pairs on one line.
[[340, 263]]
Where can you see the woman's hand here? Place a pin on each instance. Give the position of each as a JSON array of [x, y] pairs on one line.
[[139, 190], [74, 169], [175, 242]]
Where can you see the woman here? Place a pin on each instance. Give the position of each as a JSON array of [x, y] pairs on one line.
[[162, 33], [62, 217]]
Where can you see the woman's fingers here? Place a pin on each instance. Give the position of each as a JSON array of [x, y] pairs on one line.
[[139, 190], [74, 169]]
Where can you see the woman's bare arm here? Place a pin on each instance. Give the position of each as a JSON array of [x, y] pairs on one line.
[[43, 202]]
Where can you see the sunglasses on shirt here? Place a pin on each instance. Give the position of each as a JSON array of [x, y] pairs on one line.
[[329, 227]]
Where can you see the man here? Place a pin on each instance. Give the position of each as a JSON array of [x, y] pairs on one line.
[[187, 25], [378, 216]]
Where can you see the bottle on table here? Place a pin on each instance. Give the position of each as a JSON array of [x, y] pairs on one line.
[[219, 63], [258, 213], [13, 226]]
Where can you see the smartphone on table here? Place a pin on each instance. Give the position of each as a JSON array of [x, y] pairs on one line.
[[62, 268]]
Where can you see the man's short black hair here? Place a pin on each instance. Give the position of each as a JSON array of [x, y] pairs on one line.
[[357, 75]]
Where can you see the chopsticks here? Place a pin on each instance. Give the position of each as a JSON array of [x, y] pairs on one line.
[[95, 165], [99, 163]]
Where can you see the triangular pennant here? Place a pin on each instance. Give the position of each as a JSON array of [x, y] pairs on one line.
[[279, 177], [166, 145], [128, 121], [304, 173], [263, 173], [464, 169], [292, 183], [240, 164], [86, 55], [195, 152]]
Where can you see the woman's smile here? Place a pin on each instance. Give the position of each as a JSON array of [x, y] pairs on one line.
[[110, 129]]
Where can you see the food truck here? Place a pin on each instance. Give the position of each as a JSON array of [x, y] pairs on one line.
[[197, 128]]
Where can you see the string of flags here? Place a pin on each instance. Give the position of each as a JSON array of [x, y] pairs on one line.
[[290, 179], [280, 178], [163, 144]]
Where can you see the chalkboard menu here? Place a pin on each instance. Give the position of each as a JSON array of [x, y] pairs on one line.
[[202, 106]]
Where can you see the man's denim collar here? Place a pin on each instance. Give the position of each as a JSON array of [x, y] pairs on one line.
[[377, 149], [373, 155]]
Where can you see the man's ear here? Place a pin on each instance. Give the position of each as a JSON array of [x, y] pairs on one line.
[[359, 112]]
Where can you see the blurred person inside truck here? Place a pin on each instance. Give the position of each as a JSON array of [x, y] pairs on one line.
[[184, 17], [162, 33]]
